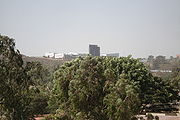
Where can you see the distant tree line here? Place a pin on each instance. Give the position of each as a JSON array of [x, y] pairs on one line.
[[161, 63]]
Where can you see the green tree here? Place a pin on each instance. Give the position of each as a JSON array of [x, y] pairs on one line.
[[122, 101], [104, 88], [13, 81], [39, 90], [39, 75], [39, 101], [160, 60], [175, 78]]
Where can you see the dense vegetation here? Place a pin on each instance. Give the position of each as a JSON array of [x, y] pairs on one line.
[[89, 88], [13, 82], [174, 78], [95, 88], [20, 96]]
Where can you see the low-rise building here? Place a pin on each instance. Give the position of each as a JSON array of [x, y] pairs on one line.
[[50, 55], [59, 55], [113, 54], [110, 54]]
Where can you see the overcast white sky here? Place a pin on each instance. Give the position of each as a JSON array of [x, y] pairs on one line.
[[137, 27]]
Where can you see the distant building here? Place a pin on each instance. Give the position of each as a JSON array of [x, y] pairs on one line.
[[94, 50], [82, 55], [113, 54], [59, 55], [71, 55], [65, 56], [50, 55], [110, 54], [103, 54]]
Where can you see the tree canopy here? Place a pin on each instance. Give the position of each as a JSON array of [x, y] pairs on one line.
[[20, 98], [13, 81], [96, 88]]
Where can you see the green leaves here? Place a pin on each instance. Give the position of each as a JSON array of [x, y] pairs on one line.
[[99, 87], [122, 101], [18, 101], [106, 88], [13, 81]]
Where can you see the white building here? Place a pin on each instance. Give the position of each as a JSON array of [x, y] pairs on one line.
[[103, 54], [113, 54], [110, 54], [59, 55], [50, 55], [72, 54], [67, 56]]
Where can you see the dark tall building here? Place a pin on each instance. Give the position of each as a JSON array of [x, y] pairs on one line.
[[94, 50]]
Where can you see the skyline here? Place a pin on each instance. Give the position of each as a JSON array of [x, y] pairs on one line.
[[104, 54], [140, 28]]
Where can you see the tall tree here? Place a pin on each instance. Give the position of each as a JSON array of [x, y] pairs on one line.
[[105, 88], [13, 81]]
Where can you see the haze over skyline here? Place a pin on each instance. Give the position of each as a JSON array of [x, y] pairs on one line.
[[136, 27]]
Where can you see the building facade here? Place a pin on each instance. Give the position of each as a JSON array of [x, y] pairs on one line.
[[50, 55], [113, 54], [59, 55], [94, 50]]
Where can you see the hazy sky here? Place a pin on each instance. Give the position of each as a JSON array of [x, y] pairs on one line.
[[137, 27]]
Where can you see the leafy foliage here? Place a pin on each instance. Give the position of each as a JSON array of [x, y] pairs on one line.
[[13, 81], [175, 78], [95, 88], [37, 73], [38, 104], [22, 91]]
